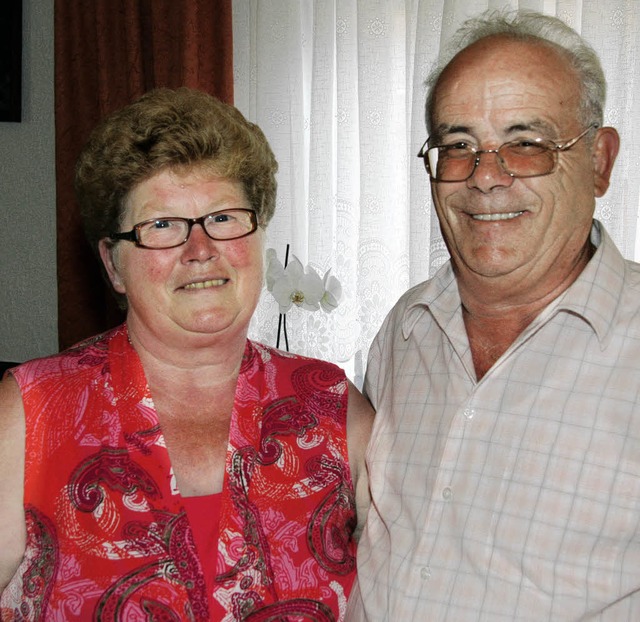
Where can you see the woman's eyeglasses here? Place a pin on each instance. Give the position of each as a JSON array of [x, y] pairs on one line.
[[159, 233]]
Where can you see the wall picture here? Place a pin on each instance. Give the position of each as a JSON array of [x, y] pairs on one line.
[[10, 60]]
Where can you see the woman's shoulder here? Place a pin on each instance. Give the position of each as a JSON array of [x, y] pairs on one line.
[[12, 435], [90, 353], [282, 358]]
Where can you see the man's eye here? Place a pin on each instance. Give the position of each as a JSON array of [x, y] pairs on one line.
[[457, 151], [527, 147], [459, 146]]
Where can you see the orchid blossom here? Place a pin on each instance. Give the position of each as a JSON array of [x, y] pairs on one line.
[[295, 284], [332, 292]]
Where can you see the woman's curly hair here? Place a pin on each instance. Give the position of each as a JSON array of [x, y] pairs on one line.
[[170, 129]]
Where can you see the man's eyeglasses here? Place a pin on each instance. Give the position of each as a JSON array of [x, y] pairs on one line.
[[519, 158], [159, 233]]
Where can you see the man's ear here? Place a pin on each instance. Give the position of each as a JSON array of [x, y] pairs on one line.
[[605, 149], [106, 254]]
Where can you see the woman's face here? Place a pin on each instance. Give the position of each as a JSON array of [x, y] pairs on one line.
[[201, 289]]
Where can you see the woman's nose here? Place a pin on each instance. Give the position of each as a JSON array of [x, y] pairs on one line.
[[199, 246]]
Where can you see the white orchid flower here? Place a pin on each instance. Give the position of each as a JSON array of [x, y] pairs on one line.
[[295, 285], [332, 292], [275, 269]]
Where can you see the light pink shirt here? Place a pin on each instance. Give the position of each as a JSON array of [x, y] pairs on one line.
[[516, 497]]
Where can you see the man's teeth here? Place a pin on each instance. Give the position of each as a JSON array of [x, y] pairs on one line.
[[205, 284], [507, 216]]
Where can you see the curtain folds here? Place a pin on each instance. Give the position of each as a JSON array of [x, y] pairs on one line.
[[107, 53], [337, 86]]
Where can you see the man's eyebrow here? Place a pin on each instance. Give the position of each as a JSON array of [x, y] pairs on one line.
[[536, 125], [444, 129]]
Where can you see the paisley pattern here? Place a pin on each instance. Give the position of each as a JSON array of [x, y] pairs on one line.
[[108, 536], [112, 468], [42, 566]]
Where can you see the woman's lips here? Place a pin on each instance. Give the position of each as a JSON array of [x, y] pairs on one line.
[[205, 284]]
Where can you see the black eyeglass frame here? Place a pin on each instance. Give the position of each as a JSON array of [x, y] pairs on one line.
[[134, 236], [552, 146]]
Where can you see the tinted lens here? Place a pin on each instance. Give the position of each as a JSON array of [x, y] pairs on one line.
[[451, 163], [518, 158], [524, 159]]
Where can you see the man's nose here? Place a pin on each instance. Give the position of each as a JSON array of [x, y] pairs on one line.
[[489, 172]]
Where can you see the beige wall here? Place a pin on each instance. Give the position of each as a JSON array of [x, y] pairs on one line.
[[28, 299]]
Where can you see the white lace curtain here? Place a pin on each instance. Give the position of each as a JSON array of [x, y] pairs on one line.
[[337, 87]]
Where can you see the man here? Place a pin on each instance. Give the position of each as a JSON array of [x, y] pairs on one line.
[[505, 457]]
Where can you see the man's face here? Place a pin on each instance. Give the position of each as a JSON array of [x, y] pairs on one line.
[[531, 229]]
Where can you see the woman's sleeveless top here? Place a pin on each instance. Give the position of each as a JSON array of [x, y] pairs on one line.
[[108, 537]]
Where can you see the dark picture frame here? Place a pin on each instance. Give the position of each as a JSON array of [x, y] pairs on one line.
[[11, 60]]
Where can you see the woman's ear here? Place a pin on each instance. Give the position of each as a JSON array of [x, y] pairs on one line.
[[605, 149], [106, 254]]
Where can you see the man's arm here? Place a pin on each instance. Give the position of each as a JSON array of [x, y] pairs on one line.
[[360, 416], [12, 449]]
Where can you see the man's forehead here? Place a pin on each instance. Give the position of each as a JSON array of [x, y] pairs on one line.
[[493, 77]]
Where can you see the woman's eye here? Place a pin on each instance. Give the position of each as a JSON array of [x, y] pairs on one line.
[[222, 217], [162, 224]]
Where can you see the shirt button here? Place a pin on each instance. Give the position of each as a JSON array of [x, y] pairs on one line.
[[469, 413], [425, 573], [447, 494]]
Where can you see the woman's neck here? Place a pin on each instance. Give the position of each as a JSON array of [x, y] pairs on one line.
[[196, 362]]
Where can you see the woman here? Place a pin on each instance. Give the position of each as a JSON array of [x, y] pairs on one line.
[[173, 469]]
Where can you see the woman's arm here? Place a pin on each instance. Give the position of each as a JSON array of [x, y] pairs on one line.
[[13, 533], [360, 416]]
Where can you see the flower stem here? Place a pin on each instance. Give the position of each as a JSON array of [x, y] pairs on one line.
[[279, 329], [284, 326], [284, 316]]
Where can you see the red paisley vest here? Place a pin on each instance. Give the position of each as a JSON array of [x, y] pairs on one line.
[[108, 537]]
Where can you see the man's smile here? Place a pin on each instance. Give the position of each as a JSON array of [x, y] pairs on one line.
[[494, 217]]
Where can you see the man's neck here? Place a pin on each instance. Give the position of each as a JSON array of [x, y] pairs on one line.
[[497, 310]]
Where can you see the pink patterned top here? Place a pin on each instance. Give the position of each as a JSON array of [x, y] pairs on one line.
[[108, 535]]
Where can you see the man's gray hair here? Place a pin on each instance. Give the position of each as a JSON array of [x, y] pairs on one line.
[[527, 26]]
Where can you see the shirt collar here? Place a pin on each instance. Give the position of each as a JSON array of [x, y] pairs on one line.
[[596, 293], [439, 294], [593, 296]]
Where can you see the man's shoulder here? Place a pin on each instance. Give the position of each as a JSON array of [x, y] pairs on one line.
[[421, 296], [632, 273]]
